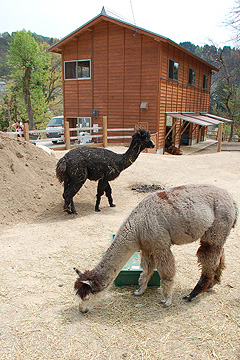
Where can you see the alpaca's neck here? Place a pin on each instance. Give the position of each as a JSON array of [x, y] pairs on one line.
[[131, 154], [120, 251]]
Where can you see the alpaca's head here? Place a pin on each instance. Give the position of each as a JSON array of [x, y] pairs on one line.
[[88, 290], [143, 138]]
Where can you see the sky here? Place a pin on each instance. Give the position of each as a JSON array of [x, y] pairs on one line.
[[200, 22]]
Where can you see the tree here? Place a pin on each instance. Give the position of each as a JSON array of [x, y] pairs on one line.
[[53, 84], [227, 91], [5, 40], [29, 65], [233, 20], [225, 87], [8, 110]]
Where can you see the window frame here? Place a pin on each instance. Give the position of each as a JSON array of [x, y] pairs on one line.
[[173, 62], [84, 117], [205, 82], [76, 69], [193, 78]]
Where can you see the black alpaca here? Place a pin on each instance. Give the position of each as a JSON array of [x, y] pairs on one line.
[[83, 163]]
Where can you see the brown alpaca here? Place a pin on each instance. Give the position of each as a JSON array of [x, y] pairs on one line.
[[174, 150], [176, 216]]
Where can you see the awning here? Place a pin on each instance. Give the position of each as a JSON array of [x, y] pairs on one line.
[[204, 118], [190, 118], [218, 117]]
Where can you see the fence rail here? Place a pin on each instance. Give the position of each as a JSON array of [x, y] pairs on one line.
[[80, 139]]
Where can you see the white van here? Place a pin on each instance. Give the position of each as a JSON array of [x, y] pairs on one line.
[[55, 129]]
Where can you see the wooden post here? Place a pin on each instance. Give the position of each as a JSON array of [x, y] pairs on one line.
[[67, 135], [104, 131], [220, 132], [26, 131]]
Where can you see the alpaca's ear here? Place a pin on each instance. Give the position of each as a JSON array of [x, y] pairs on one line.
[[78, 271], [142, 133], [86, 282]]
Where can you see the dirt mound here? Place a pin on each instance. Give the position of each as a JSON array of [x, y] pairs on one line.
[[27, 180]]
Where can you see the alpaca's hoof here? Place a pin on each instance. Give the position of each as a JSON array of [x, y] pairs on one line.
[[137, 292], [112, 205], [97, 209], [165, 303], [73, 211], [188, 298], [70, 211], [67, 209]]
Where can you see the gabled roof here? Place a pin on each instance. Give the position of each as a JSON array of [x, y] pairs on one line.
[[107, 15]]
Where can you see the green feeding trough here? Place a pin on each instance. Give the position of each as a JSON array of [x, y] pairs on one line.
[[131, 271]]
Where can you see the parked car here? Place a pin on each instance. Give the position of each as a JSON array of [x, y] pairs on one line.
[[55, 129]]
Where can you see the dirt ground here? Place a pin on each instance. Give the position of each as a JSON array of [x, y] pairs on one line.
[[40, 245]]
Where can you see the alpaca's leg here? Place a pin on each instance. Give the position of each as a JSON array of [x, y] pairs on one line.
[[100, 191], [71, 187], [218, 272], [72, 207], [212, 263], [68, 195], [210, 256], [147, 264], [108, 192], [166, 267], [67, 201], [103, 186]]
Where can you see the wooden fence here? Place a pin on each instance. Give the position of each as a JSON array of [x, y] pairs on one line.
[[75, 141]]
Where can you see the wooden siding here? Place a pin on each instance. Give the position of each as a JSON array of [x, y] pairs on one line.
[[124, 69], [179, 96], [115, 76], [127, 69], [149, 81], [132, 78], [100, 70]]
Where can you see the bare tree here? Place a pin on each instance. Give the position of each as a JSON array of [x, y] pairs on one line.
[[233, 21]]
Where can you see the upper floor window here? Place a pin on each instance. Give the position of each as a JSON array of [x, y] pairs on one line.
[[80, 69], [191, 76], [205, 82], [173, 70]]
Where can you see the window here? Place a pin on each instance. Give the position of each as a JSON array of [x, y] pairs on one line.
[[173, 70], [205, 82], [191, 76], [83, 122], [83, 69], [77, 69], [84, 136], [169, 121], [70, 70]]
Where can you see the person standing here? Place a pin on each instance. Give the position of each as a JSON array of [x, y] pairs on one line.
[[19, 127]]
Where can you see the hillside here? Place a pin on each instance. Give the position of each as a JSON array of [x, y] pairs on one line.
[[5, 40]]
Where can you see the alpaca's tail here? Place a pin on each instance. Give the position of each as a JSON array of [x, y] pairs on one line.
[[236, 212], [61, 169]]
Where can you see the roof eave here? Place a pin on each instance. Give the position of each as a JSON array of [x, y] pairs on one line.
[[57, 48]]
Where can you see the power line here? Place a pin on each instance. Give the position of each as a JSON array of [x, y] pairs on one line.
[[133, 18]]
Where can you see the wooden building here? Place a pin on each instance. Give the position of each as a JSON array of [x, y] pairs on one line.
[[131, 75]]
